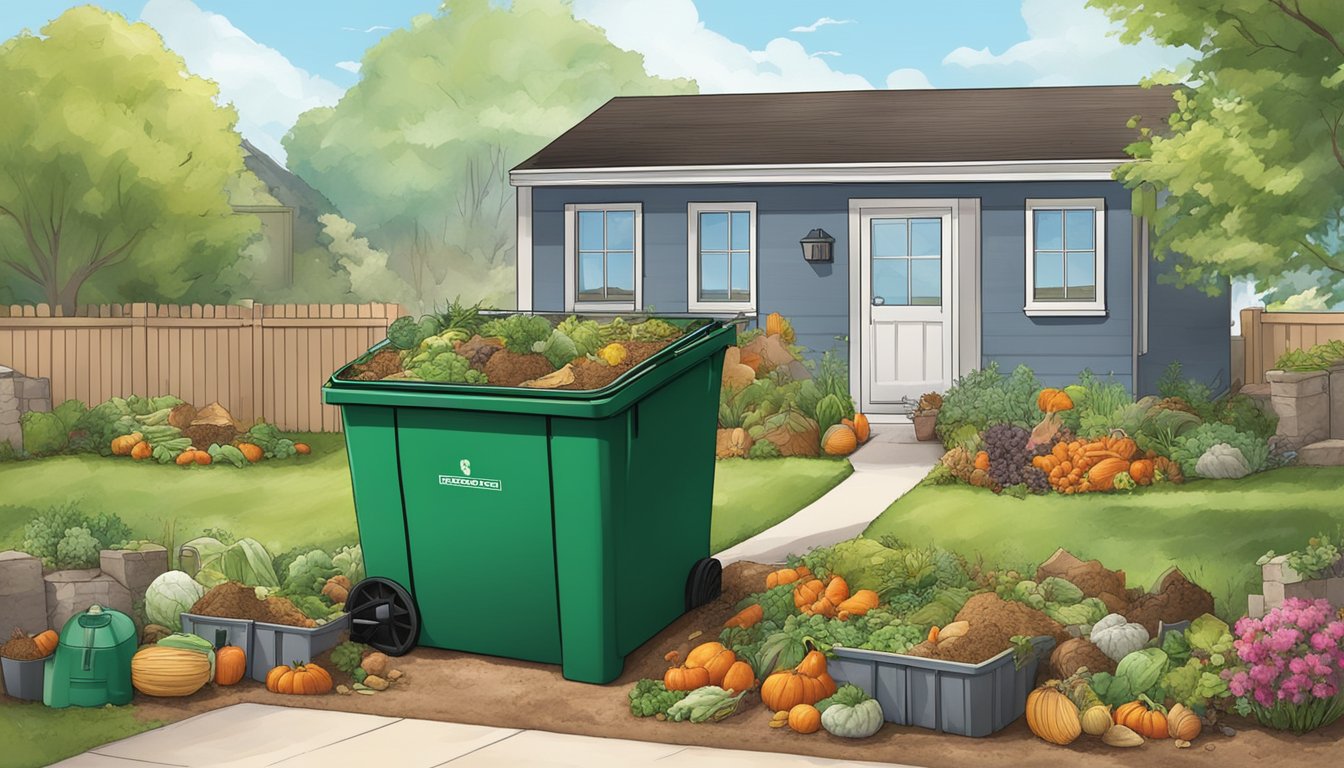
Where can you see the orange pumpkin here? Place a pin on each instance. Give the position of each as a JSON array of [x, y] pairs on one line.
[[806, 683], [808, 592], [1052, 400], [1142, 471], [46, 641], [740, 677], [1124, 447], [142, 451], [837, 591], [298, 679], [251, 451], [186, 458], [714, 659], [782, 576], [685, 679], [747, 617], [202, 458], [302, 449], [1148, 723], [774, 324], [861, 428], [1102, 474], [230, 664], [982, 460], [839, 440], [804, 718]]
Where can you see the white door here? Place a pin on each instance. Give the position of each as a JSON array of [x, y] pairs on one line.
[[905, 295]]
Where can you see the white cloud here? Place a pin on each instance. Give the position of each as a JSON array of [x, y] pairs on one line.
[[1067, 44], [374, 28], [676, 43], [348, 66], [824, 21], [907, 78], [827, 53], [268, 91]]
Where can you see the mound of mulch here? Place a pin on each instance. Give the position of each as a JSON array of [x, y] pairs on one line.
[[232, 600], [1175, 599], [993, 623], [509, 369], [478, 350], [1090, 576], [590, 374], [383, 364], [20, 647]]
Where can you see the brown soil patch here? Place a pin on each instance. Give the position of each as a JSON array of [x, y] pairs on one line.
[[383, 364], [509, 369], [993, 622], [20, 647], [204, 435], [478, 350], [593, 375], [482, 690], [232, 600]]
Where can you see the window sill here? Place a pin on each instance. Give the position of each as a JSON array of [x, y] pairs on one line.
[[1064, 311], [601, 306], [721, 307]]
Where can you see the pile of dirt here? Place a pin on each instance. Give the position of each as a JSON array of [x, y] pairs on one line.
[[232, 600], [20, 647], [1069, 656], [589, 374], [993, 623], [478, 350], [383, 364], [204, 435], [1094, 579], [509, 369], [1175, 598]]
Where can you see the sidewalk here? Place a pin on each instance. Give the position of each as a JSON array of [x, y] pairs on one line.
[[888, 466], [255, 735]]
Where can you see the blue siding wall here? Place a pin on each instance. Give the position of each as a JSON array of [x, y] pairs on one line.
[[1188, 326], [816, 297]]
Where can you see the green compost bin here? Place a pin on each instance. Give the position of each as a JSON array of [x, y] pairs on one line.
[[556, 526]]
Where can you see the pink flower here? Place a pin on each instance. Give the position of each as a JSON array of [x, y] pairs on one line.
[[1323, 691]]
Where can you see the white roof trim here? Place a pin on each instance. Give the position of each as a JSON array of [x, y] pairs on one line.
[[999, 170]]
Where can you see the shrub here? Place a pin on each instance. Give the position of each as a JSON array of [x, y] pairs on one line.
[[1194, 443], [1242, 413], [43, 433], [63, 536], [983, 398], [1097, 405], [1198, 394], [1291, 666]]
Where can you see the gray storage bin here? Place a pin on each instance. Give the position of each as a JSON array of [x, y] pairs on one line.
[[24, 678], [276, 644], [219, 631], [946, 696]]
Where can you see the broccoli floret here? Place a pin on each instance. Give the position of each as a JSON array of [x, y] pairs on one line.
[[448, 366], [654, 329], [519, 332], [893, 638], [651, 697], [404, 333]]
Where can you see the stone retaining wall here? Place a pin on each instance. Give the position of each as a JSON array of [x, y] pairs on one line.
[[19, 395], [1281, 582], [34, 601], [1302, 402]]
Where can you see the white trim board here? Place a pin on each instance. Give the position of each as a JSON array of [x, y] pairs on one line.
[[1005, 170], [523, 250]]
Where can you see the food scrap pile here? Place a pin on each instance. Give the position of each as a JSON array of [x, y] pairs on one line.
[[237, 601], [465, 346]]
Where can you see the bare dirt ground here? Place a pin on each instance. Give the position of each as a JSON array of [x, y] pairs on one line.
[[464, 688]]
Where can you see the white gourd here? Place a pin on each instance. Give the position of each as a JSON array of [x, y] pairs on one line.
[[857, 722], [1117, 638], [1222, 462]]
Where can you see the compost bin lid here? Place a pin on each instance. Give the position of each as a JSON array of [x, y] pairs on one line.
[[97, 627]]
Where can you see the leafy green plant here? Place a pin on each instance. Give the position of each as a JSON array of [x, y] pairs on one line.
[[462, 316], [1098, 405], [347, 656], [984, 397], [1318, 358], [1245, 415], [64, 537], [1198, 394], [519, 332], [1193, 444], [43, 433], [1319, 559]]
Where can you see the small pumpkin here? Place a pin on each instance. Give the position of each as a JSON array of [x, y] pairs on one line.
[[837, 590], [252, 452], [740, 677], [982, 460], [186, 458], [46, 641], [685, 678], [1142, 471], [804, 718], [230, 665], [862, 430], [782, 576], [1052, 400], [1052, 716], [1102, 474], [299, 679], [858, 604], [160, 670], [747, 617], [839, 440], [303, 449], [808, 592], [141, 451], [1182, 723], [714, 661], [1096, 720], [202, 458], [702, 653], [1139, 718], [121, 446], [774, 324], [806, 683]]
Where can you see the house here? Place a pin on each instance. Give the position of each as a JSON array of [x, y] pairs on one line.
[[969, 226]]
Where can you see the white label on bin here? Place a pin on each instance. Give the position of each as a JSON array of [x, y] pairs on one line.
[[480, 483]]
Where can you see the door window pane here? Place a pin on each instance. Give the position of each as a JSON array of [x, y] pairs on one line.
[[890, 238], [620, 231], [891, 282], [741, 278], [741, 230], [926, 282], [714, 231], [1049, 275], [591, 275], [1048, 229], [926, 237], [1079, 230], [1081, 276]]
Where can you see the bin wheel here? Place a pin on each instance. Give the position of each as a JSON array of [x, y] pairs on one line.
[[383, 615], [704, 583]]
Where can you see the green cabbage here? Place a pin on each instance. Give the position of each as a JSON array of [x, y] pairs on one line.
[[43, 433], [170, 595], [1137, 673], [559, 349], [245, 561], [309, 573], [349, 560], [586, 335]]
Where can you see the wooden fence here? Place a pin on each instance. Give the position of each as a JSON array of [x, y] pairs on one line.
[[258, 361], [1268, 335]]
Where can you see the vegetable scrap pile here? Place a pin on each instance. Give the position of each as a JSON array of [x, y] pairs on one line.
[[20, 647], [370, 671], [236, 601], [466, 346]]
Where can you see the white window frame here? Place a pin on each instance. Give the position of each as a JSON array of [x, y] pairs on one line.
[[572, 304], [1094, 308], [693, 300]]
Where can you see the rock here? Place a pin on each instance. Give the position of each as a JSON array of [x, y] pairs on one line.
[[135, 570], [71, 592], [1175, 598], [773, 351], [343, 690], [376, 663], [23, 594], [395, 674], [376, 683], [1323, 453], [1182, 744], [1227, 730]]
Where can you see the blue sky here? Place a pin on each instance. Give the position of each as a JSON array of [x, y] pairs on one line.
[[276, 59]]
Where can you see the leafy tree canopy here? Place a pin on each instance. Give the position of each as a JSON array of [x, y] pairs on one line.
[[1252, 163], [113, 165], [418, 151]]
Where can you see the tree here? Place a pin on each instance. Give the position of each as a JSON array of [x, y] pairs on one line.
[[418, 152], [113, 164], [1252, 164]]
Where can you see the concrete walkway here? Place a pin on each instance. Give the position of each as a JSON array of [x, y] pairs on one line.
[[256, 735], [885, 468]]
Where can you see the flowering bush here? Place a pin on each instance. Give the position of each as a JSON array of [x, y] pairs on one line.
[[1291, 666]]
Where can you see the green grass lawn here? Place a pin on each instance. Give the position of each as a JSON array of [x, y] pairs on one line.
[[34, 735], [750, 496], [1213, 529]]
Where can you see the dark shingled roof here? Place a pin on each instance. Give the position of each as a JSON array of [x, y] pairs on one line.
[[878, 126]]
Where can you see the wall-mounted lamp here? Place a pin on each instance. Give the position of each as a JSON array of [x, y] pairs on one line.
[[818, 246]]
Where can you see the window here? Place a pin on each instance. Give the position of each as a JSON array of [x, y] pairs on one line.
[[907, 262], [1066, 257], [603, 258], [721, 255]]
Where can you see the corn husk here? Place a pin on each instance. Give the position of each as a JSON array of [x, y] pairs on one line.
[[553, 380]]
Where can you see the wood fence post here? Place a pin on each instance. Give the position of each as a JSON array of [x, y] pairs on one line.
[[139, 350], [1253, 371]]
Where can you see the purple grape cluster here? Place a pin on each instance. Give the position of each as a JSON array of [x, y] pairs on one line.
[[1037, 481], [1008, 455]]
